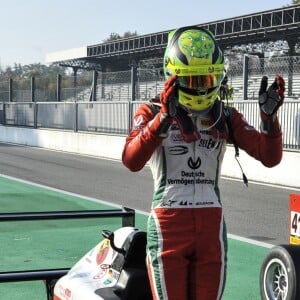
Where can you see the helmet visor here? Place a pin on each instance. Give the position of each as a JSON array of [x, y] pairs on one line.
[[200, 82]]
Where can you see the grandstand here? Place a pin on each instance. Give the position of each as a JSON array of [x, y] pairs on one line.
[[252, 30]]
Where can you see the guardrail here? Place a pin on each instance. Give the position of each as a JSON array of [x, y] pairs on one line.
[[49, 276], [110, 117]]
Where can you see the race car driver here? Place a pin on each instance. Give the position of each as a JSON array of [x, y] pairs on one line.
[[183, 135]]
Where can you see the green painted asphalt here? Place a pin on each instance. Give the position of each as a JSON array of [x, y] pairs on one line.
[[30, 245]]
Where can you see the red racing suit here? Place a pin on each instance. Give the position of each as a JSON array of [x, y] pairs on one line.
[[186, 235]]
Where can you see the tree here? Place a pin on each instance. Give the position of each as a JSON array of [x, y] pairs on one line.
[[37, 70], [115, 36], [294, 2], [128, 34]]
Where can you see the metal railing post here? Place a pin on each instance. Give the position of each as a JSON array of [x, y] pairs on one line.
[[246, 76], [58, 88], [35, 115], [76, 116], [95, 80], [133, 81], [10, 90], [32, 89], [4, 113]]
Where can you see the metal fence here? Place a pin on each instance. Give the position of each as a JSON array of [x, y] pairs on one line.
[[111, 117], [141, 83], [105, 101]]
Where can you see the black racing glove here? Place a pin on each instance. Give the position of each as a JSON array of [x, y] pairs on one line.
[[272, 98]]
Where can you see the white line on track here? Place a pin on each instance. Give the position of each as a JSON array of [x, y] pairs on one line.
[[265, 184]]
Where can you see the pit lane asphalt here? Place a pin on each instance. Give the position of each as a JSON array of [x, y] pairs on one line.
[[259, 212]]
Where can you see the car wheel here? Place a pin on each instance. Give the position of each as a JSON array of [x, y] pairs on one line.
[[279, 275]]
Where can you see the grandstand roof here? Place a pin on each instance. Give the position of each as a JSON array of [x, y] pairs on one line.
[[266, 26]]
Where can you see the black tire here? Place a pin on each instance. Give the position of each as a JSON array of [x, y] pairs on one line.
[[280, 273]]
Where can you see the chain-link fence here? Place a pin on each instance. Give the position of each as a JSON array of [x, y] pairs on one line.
[[245, 73]]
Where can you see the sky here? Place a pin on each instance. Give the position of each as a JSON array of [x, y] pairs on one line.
[[30, 29]]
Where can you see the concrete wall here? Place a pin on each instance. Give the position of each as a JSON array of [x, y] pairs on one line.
[[110, 146]]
